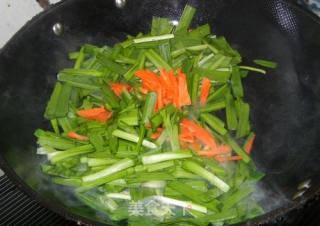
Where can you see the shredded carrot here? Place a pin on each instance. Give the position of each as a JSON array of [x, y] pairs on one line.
[[150, 80], [196, 146], [185, 132], [205, 89], [170, 89], [159, 98], [76, 136], [91, 112], [184, 145], [119, 87], [166, 100], [166, 85], [174, 91], [186, 138], [249, 144], [201, 140], [200, 133], [225, 148], [183, 95], [103, 117], [188, 125], [156, 134], [205, 137], [208, 154], [99, 114], [228, 158]]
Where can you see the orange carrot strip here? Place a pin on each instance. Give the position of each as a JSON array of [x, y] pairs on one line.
[[87, 113], [228, 158], [188, 125], [170, 88], [196, 146], [167, 89], [103, 117], [185, 131], [159, 98], [149, 85], [225, 148], [146, 75], [186, 135], [76, 136], [166, 100], [165, 81], [184, 145], [149, 79], [174, 88], [119, 87], [205, 89], [201, 133], [171, 85], [208, 154], [99, 114], [186, 138], [157, 134], [183, 95], [249, 144], [205, 137]]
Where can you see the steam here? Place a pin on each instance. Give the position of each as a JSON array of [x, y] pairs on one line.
[[270, 198]]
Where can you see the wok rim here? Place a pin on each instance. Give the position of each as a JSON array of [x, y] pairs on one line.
[[272, 216]]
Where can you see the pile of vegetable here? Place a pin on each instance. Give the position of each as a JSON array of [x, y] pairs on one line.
[[155, 130]]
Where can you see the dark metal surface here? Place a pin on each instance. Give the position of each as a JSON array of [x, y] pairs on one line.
[[16, 208], [285, 104]]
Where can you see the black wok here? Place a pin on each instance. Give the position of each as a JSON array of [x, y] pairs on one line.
[[285, 103]]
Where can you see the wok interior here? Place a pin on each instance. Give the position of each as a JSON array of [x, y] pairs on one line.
[[284, 103]]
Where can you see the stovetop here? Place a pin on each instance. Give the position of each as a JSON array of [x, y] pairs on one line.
[[16, 208]]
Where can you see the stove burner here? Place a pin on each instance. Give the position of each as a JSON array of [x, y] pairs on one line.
[[16, 208]]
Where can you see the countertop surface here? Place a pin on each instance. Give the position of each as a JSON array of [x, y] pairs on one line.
[[14, 14]]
